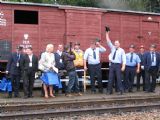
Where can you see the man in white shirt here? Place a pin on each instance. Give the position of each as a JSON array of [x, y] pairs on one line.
[[92, 56]]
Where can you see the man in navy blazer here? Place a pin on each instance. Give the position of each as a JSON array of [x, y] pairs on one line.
[[29, 66], [151, 66], [61, 67], [13, 69]]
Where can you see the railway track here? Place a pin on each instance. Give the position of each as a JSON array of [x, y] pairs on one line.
[[57, 109]]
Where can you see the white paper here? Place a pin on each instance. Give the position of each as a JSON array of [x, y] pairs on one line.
[[17, 64], [30, 64], [142, 67], [60, 60], [55, 69]]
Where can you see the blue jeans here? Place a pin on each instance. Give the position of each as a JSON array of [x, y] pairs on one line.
[[73, 82]]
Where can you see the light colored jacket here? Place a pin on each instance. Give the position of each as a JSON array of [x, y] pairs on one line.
[[47, 62]]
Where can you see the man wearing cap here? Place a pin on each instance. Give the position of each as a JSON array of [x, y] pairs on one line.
[[92, 56], [78, 62], [132, 67], [151, 66], [141, 74], [118, 61], [13, 69], [68, 57]]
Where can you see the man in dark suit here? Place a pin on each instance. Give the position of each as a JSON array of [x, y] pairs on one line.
[[29, 66], [58, 58], [13, 69], [141, 74], [151, 66], [60, 66]]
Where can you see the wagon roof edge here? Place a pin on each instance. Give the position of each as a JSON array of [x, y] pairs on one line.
[[79, 7]]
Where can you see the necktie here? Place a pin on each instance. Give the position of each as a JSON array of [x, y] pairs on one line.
[[94, 54], [141, 58], [131, 59], [114, 55], [152, 57], [18, 56]]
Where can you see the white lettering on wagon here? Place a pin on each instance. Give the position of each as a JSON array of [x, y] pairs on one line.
[[26, 42], [3, 21]]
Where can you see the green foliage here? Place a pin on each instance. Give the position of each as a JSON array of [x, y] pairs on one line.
[[153, 5], [85, 3], [139, 5], [144, 5]]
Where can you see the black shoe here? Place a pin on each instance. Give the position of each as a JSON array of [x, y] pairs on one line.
[[125, 90], [153, 91], [130, 90], [120, 93], [17, 96], [9, 96], [30, 96], [147, 91], [81, 90], [25, 97], [100, 91], [109, 92], [93, 92]]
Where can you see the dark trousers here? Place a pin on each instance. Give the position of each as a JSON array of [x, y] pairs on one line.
[[115, 72], [115, 84], [139, 76], [151, 83], [73, 82], [56, 88], [28, 82], [130, 73], [15, 79], [61, 75], [95, 70]]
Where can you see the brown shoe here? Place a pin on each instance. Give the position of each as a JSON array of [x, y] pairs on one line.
[[69, 95], [78, 94]]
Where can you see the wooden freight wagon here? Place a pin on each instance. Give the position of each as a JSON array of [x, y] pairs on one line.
[[40, 24]]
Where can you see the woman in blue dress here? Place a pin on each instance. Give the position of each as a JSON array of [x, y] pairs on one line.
[[49, 76]]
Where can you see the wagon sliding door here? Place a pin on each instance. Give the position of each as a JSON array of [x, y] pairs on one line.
[[26, 28], [150, 33]]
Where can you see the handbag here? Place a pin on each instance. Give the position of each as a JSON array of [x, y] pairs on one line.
[[9, 86], [41, 67], [50, 78], [3, 84]]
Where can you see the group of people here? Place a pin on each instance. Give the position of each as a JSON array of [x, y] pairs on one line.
[[123, 68], [22, 66], [53, 66]]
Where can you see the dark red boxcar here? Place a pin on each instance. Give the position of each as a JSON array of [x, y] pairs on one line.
[[41, 24]]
